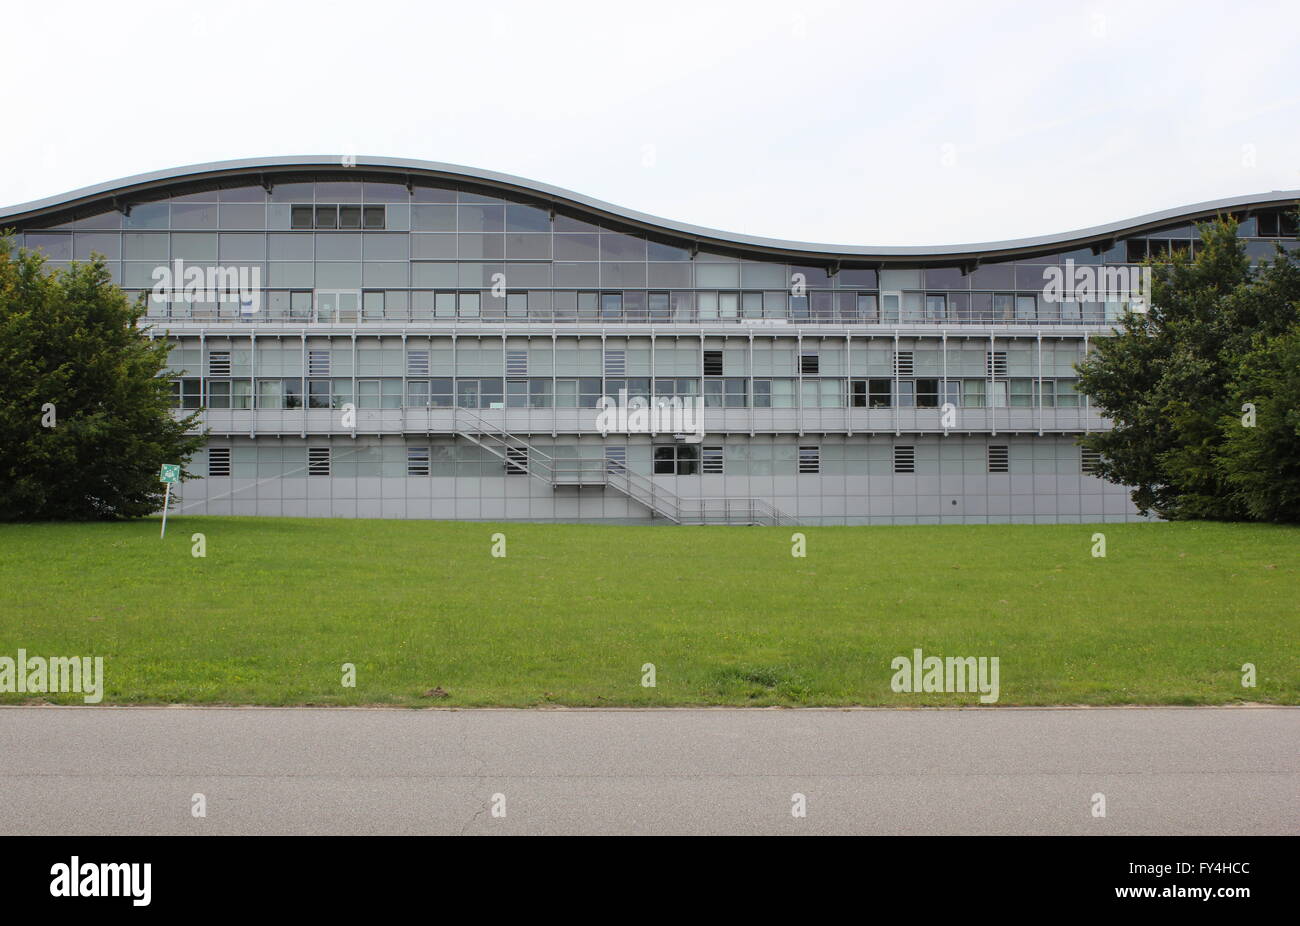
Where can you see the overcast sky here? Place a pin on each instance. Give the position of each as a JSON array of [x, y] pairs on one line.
[[852, 123]]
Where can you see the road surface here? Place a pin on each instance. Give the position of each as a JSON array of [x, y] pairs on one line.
[[1162, 771]]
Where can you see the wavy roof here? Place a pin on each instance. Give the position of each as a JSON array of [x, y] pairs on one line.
[[267, 170]]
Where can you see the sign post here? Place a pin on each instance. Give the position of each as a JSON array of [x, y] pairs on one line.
[[170, 473]]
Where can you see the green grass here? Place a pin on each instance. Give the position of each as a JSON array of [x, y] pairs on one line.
[[726, 615]]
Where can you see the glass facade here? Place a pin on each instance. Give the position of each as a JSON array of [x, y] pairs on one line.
[[333, 250]]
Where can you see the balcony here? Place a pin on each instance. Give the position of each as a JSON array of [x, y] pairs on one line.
[[582, 421]]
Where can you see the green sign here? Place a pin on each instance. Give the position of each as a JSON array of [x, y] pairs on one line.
[[171, 472]]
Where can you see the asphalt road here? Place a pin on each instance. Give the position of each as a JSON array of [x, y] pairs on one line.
[[1165, 771]]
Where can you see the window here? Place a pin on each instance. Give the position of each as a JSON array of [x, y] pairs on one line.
[[219, 394], [516, 393], [871, 393], [270, 393], [1066, 396], [516, 363], [241, 394], [218, 461], [936, 307], [1277, 224], [616, 460], [417, 363], [379, 393], [219, 363], [417, 461], [822, 393], [725, 393], [995, 363], [903, 363], [711, 461], [318, 393], [713, 363], [867, 308], [809, 362], [417, 393], [611, 305], [336, 216], [318, 363], [927, 393], [774, 393], [1135, 250], [660, 307], [372, 303], [676, 460], [186, 393], [516, 461], [1026, 308], [318, 461], [810, 461], [999, 458], [682, 388], [539, 393], [440, 393], [904, 459], [1089, 460]]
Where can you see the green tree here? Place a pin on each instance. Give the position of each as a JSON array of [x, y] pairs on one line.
[[85, 417], [1172, 377], [1260, 456]]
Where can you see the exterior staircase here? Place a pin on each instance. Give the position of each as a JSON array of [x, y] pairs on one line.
[[520, 456]]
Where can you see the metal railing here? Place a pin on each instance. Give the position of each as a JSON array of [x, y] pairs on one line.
[[514, 451], [1089, 316], [499, 442], [643, 489]]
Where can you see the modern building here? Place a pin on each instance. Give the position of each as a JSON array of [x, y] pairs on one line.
[[377, 337]]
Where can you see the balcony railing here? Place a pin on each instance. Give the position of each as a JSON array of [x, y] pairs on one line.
[[1099, 316]]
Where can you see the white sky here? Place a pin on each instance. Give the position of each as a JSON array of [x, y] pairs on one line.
[[852, 123]]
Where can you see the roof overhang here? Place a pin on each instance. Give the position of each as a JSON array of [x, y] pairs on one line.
[[266, 171]]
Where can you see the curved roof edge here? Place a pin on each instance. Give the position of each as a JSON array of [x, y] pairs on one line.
[[711, 238]]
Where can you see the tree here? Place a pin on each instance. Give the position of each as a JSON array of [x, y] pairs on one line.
[[85, 417], [1171, 379], [1260, 457]]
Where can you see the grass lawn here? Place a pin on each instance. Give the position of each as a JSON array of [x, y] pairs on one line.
[[726, 615]]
